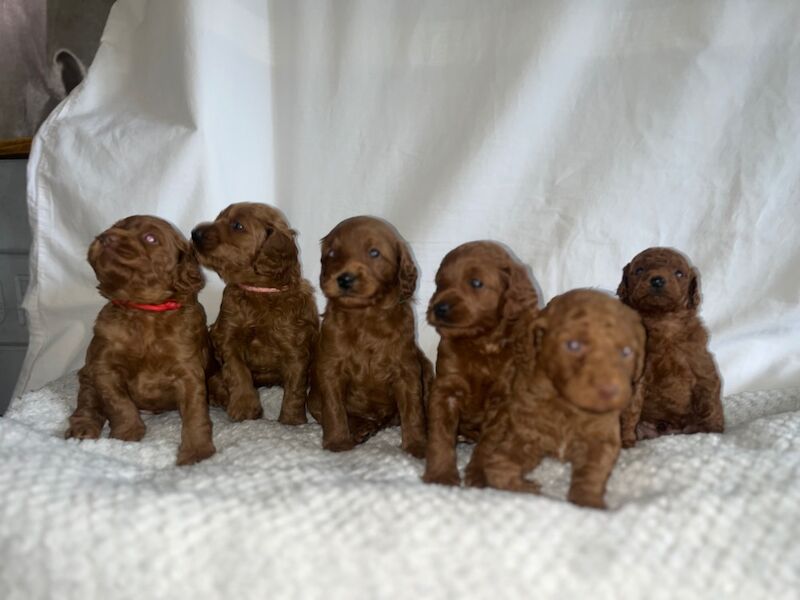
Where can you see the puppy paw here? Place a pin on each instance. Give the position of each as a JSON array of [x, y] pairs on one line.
[[339, 445], [449, 477], [243, 412], [416, 448], [587, 500], [128, 432], [628, 442], [189, 454], [84, 429], [292, 418]]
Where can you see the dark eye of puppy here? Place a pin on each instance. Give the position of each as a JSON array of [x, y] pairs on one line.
[[150, 238], [626, 351], [270, 230], [476, 283], [639, 271], [374, 253], [573, 345], [678, 274], [236, 226]]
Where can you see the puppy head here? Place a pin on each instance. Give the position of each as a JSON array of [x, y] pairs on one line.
[[366, 262], [478, 287], [660, 280], [145, 259], [591, 347], [249, 243]]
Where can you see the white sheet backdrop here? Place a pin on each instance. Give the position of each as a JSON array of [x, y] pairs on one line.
[[577, 132]]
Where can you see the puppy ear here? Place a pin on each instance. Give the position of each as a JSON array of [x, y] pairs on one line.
[[188, 277], [693, 293], [520, 295], [277, 253], [622, 290], [539, 329], [406, 272]]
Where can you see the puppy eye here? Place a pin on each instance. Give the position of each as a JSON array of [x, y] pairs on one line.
[[626, 351], [678, 274], [236, 226], [270, 231], [574, 345], [150, 238], [639, 271], [374, 253], [476, 283], [331, 253]]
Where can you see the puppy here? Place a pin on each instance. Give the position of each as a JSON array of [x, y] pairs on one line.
[[481, 292], [268, 323], [369, 369], [150, 347], [681, 385], [589, 352]]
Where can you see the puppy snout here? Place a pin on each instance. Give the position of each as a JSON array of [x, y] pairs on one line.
[[107, 239], [657, 282], [197, 235], [346, 280], [441, 310], [608, 391]]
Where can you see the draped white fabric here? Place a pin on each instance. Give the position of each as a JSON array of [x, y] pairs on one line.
[[578, 133]]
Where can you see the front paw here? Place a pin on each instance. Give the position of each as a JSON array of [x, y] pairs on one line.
[[629, 441], [128, 432], [83, 429], [587, 500], [292, 417], [338, 445], [189, 454], [446, 477], [242, 411], [415, 448]]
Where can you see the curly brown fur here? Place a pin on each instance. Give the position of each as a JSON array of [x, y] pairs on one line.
[[261, 338], [369, 369], [589, 353], [681, 390], [481, 293], [142, 360]]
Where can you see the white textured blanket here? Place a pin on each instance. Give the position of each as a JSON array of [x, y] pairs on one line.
[[272, 515]]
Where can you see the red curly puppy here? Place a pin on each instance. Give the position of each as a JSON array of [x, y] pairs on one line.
[[369, 369], [681, 391], [150, 347], [268, 322], [481, 293], [565, 403]]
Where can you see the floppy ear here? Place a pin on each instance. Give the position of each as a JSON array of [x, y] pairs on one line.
[[277, 253], [189, 277], [693, 293], [406, 272], [622, 290], [520, 294], [641, 350]]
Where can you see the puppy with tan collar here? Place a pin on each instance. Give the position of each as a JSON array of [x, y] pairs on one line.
[[268, 323]]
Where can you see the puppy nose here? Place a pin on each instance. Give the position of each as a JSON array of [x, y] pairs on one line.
[[657, 282], [608, 391], [197, 235], [345, 280], [107, 239], [441, 309]]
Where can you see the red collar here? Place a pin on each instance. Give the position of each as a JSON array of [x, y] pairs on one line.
[[163, 307], [260, 290]]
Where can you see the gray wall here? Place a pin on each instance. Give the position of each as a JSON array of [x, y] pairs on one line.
[[15, 241]]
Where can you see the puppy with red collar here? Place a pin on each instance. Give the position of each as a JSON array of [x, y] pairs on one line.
[[268, 322]]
